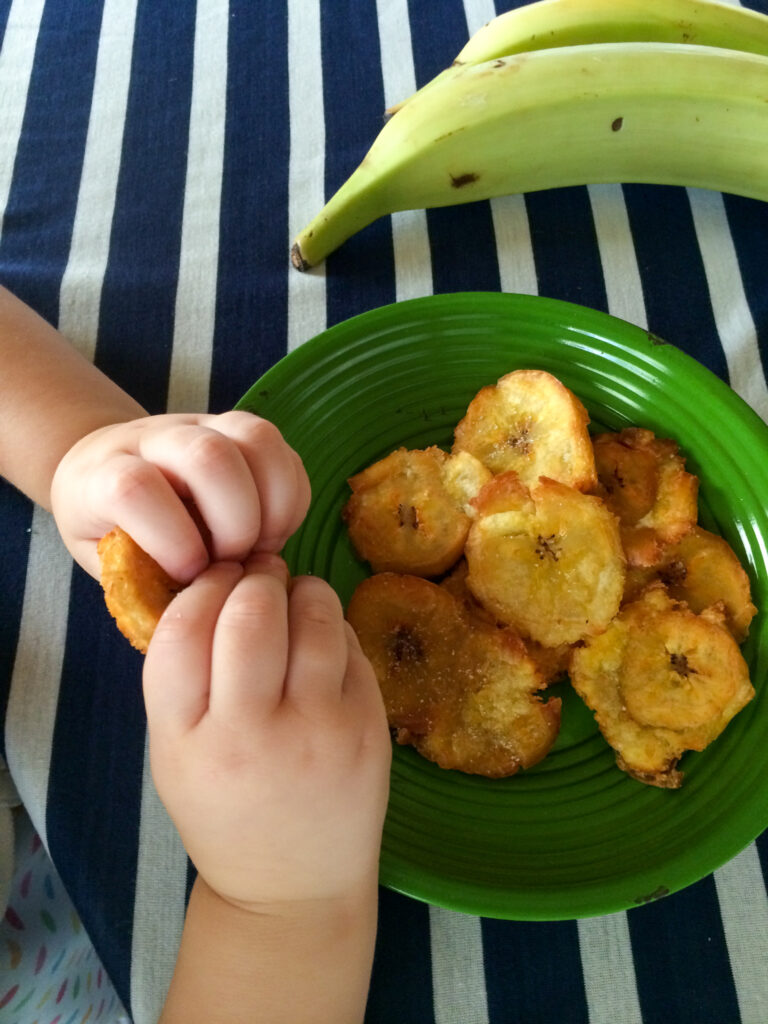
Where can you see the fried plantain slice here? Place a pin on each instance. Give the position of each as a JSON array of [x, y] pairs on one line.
[[409, 512], [136, 590], [643, 481], [701, 569], [461, 691], [552, 662], [661, 680], [547, 561], [529, 422]]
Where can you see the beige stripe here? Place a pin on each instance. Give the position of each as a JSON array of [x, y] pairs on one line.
[[458, 974], [16, 59], [410, 237], [733, 318], [306, 175], [195, 317], [621, 272]]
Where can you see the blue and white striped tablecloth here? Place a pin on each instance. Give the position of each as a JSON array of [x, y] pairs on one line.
[[156, 158]]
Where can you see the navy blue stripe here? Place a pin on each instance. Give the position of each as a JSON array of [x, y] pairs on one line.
[[360, 274], [748, 220], [674, 284], [16, 513], [436, 42], [533, 972], [681, 959], [37, 228], [94, 792], [565, 247], [401, 982], [5, 9], [139, 294], [250, 330], [762, 851]]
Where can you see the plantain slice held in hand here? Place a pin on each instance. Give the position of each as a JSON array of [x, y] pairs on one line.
[[529, 422], [546, 561], [461, 691], [661, 680], [136, 590], [409, 512], [643, 481], [703, 570]]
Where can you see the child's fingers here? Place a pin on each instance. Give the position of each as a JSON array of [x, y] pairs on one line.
[[177, 667], [209, 467], [278, 472], [136, 495], [360, 686], [250, 647], [318, 655]]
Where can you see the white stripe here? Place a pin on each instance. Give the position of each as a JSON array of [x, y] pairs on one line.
[[606, 950], [733, 319], [517, 269], [83, 279], [609, 971], [195, 318], [306, 175], [744, 913], [410, 237], [161, 869], [37, 669], [16, 59], [458, 974], [159, 908], [478, 13], [31, 714], [621, 272]]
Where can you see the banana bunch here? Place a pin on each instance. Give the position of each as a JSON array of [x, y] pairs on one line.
[[571, 92]]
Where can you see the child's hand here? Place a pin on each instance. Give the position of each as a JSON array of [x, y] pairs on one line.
[[268, 738], [242, 480]]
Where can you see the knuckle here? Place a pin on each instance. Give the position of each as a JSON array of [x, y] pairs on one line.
[[251, 607], [317, 602], [209, 450], [124, 481]]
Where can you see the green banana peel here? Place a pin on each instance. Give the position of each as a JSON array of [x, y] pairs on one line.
[[654, 113], [552, 23]]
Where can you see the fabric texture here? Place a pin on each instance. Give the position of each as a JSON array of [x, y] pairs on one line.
[[156, 159]]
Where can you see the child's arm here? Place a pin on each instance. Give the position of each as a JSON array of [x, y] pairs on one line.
[[73, 441], [50, 397], [270, 749]]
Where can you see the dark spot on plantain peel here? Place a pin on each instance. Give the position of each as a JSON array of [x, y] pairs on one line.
[[616, 124], [297, 259], [460, 180]]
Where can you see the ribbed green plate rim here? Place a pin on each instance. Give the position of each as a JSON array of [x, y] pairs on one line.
[[574, 836]]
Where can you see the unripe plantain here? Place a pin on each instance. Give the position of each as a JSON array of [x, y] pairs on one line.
[[550, 23], [651, 113]]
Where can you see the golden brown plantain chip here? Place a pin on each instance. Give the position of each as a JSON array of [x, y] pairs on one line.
[[461, 691], [409, 511], [701, 569], [529, 422], [136, 590], [552, 662], [643, 481], [661, 680], [547, 561]]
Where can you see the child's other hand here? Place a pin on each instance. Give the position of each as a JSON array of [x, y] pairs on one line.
[[246, 484], [268, 738]]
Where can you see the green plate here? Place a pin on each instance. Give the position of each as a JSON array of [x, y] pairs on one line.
[[574, 836]]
